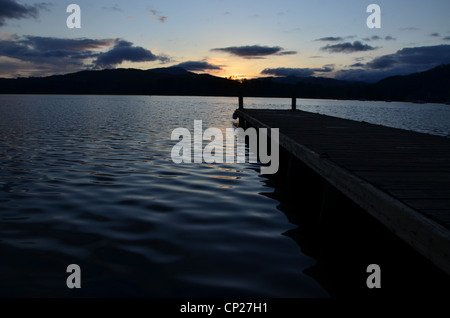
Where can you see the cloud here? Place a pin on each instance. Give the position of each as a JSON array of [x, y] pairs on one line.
[[402, 62], [373, 38], [254, 51], [287, 53], [357, 65], [447, 38], [326, 68], [10, 66], [435, 34], [37, 56], [297, 72], [125, 51], [330, 39], [48, 55], [425, 56], [43, 68], [11, 9], [50, 50], [381, 62], [376, 38], [197, 66], [155, 15], [348, 47], [71, 45]]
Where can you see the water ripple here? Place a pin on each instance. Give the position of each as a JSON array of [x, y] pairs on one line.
[[89, 180]]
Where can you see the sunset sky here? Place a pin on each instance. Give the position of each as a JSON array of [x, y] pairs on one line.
[[240, 38]]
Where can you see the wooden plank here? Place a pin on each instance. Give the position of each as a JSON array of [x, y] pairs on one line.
[[421, 204], [364, 161], [438, 214], [423, 193]]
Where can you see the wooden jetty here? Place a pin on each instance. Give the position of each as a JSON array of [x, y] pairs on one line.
[[400, 177]]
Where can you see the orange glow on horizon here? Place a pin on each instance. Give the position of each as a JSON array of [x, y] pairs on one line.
[[238, 77]]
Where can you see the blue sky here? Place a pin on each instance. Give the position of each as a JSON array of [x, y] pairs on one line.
[[244, 38]]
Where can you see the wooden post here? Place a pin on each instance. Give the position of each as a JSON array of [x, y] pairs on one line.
[[294, 103], [241, 101]]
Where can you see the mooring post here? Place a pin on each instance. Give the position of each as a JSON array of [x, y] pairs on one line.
[[241, 101], [294, 103]]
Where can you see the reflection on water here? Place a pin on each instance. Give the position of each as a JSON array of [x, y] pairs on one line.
[[344, 240], [89, 180]]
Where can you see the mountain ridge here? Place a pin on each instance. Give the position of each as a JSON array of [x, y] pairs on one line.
[[431, 86]]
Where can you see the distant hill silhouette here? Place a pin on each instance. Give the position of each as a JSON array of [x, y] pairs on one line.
[[431, 86], [161, 81]]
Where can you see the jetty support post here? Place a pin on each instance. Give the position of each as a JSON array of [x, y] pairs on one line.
[[294, 102], [241, 101]]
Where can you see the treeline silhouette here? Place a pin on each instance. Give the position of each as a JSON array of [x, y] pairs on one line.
[[429, 86]]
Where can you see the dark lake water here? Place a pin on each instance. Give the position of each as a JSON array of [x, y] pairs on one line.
[[89, 180]]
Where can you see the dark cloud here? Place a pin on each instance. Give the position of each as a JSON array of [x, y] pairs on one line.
[[373, 38], [10, 68], [73, 45], [48, 55], [155, 15], [435, 34], [389, 38], [50, 50], [326, 68], [447, 38], [254, 51], [11, 9], [125, 51], [425, 56], [330, 39], [282, 71], [382, 62], [357, 65], [348, 47], [287, 53], [402, 62], [198, 66], [297, 72]]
